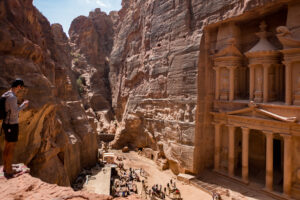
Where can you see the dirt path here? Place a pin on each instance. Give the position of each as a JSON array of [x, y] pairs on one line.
[[135, 161]]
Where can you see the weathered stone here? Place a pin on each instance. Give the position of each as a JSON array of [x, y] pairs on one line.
[[50, 141]]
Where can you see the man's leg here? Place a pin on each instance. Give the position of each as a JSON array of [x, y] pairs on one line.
[[9, 157], [5, 153]]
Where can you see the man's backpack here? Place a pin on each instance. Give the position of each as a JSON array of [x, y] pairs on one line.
[[2, 108]]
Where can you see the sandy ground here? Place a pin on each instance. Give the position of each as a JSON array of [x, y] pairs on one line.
[[156, 176]]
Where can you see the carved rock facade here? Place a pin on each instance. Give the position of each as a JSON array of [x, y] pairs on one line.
[[251, 74]]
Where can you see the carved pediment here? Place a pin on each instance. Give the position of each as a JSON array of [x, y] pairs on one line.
[[254, 111]]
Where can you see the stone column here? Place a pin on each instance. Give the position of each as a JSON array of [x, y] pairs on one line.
[[217, 92], [288, 83], [252, 82], [245, 154], [266, 82], [269, 160], [287, 165], [231, 82], [231, 130], [217, 145]]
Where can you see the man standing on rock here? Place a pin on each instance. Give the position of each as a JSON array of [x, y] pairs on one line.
[[10, 124]]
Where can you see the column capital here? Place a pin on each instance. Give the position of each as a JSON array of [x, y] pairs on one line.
[[287, 63], [286, 136], [216, 68], [268, 133], [252, 65], [267, 65], [231, 126], [232, 67], [245, 129], [218, 123]]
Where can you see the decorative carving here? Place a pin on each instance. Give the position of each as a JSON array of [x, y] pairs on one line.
[[286, 38]]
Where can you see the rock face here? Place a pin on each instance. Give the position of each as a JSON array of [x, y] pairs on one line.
[[91, 39], [26, 187], [56, 138], [153, 75]]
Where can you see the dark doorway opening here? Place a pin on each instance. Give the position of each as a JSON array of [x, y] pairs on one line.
[[257, 157], [277, 165]]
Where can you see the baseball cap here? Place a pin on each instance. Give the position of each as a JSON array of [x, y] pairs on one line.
[[18, 82]]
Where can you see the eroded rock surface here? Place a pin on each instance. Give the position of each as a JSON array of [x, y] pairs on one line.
[[27, 187], [153, 77], [91, 39], [56, 138]]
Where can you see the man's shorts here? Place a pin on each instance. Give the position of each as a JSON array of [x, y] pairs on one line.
[[11, 132]]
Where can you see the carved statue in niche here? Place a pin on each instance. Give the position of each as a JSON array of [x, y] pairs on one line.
[[224, 95], [180, 115], [286, 38], [297, 93], [187, 113], [175, 115]]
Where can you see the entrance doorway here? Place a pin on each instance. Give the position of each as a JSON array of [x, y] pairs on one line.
[[238, 136], [278, 164], [257, 157]]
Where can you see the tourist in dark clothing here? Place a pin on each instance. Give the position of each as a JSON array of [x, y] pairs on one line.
[[10, 124]]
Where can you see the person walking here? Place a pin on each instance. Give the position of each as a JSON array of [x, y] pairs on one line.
[[10, 124]]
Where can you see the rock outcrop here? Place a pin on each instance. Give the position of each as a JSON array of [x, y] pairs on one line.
[[91, 39], [26, 187], [56, 138]]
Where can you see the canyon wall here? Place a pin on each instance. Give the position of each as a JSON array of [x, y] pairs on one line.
[[91, 41], [56, 137]]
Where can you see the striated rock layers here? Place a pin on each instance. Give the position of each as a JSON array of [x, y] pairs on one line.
[[56, 138], [153, 71], [158, 46], [91, 39]]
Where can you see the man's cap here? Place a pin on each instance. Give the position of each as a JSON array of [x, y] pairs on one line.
[[18, 82]]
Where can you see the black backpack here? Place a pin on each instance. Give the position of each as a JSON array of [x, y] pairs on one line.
[[2, 108]]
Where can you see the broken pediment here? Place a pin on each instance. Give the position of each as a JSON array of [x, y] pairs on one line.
[[230, 51], [254, 111]]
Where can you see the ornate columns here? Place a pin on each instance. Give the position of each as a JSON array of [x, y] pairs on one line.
[[269, 160], [266, 82], [217, 145], [217, 92], [231, 82], [287, 169], [288, 83], [245, 154], [251, 92], [231, 130]]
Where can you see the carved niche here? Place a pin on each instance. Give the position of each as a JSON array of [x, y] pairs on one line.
[[265, 69]]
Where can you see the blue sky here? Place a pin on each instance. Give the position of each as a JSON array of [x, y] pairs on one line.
[[64, 11]]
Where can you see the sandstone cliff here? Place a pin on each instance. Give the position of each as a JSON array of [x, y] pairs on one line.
[[153, 70], [56, 138], [91, 39]]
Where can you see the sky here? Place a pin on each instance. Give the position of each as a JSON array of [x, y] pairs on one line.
[[64, 11]]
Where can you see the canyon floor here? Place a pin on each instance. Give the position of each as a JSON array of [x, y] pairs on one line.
[[209, 182]]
